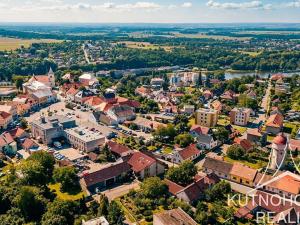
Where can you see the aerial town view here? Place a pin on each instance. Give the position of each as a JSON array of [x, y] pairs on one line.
[[150, 113]]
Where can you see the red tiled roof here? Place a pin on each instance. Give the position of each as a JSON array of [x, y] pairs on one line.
[[105, 173], [294, 144], [173, 187], [17, 132], [140, 161], [72, 91], [93, 101], [280, 139], [244, 143], [117, 148], [189, 151], [4, 115], [28, 143], [200, 130], [275, 120], [5, 139], [42, 78], [254, 132]]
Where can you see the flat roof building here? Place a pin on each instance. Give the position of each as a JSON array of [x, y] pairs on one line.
[[84, 139]]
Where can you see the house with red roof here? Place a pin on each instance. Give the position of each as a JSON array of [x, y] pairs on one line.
[[274, 123], [145, 166], [193, 191], [189, 153], [118, 149], [121, 113], [143, 91], [244, 143], [18, 134], [5, 119], [197, 130], [106, 176], [7, 144], [93, 102], [229, 96], [30, 146]]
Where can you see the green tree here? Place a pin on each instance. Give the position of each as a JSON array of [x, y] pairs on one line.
[[31, 203], [12, 217], [67, 177], [154, 187], [59, 212], [46, 160], [221, 134], [33, 173], [184, 174], [218, 192], [115, 214], [104, 205], [184, 140], [165, 133], [236, 152]]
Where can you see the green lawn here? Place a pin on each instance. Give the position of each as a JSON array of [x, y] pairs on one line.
[[127, 213], [167, 150], [258, 165], [65, 196], [240, 129], [291, 127]]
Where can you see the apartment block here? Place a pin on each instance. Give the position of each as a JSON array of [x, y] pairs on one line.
[[206, 117], [240, 116]]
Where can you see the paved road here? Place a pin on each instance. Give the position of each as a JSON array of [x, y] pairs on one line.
[[119, 191], [264, 105], [86, 55]]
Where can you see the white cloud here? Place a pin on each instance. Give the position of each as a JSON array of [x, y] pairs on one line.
[[295, 4], [243, 5], [187, 5]]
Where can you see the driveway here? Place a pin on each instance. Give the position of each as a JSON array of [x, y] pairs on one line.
[[119, 191]]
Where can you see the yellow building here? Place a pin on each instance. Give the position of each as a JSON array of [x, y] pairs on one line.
[[242, 174], [206, 117]]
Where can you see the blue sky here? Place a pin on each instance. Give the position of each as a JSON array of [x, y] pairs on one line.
[[150, 11]]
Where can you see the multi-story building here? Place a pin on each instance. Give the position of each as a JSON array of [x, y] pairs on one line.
[[240, 116], [45, 130], [84, 139], [156, 82], [206, 117]]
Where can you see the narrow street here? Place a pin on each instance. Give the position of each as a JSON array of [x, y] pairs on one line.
[[264, 105], [86, 55]]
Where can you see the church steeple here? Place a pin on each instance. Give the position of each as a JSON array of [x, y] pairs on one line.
[[50, 71], [51, 77]]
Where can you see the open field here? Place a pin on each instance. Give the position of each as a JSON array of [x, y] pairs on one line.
[[15, 43], [257, 165], [65, 196], [205, 36], [253, 54], [144, 45]]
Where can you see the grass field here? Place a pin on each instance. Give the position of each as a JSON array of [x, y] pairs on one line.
[[257, 165], [144, 45], [65, 196], [15, 43], [205, 36], [253, 54]]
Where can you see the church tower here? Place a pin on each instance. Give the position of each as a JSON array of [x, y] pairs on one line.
[[51, 77], [279, 151]]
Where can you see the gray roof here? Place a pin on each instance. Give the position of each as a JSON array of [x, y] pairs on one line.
[[217, 165], [206, 139]]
